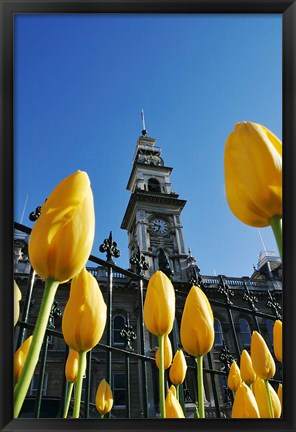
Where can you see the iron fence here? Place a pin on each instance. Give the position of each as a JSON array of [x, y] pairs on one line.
[[126, 356]]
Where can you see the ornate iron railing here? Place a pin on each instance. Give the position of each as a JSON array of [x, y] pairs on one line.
[[133, 357]]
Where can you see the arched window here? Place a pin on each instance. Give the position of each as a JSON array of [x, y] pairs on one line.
[[245, 332], [118, 324], [153, 185], [218, 333], [269, 327]]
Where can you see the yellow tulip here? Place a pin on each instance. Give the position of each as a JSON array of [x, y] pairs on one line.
[[168, 353], [104, 398], [62, 237], [244, 405], [234, 377], [159, 305], [173, 390], [71, 369], [17, 295], [172, 406], [260, 393], [197, 324], [262, 360], [85, 314], [20, 357], [246, 368], [253, 174], [280, 393], [178, 369], [277, 340]]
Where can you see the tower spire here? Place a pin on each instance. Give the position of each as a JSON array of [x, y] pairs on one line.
[[144, 131]]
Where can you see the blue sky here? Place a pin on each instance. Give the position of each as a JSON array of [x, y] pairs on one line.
[[81, 82]]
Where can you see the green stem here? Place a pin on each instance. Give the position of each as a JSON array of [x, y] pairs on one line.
[[201, 406], [23, 384], [177, 393], [101, 416], [269, 399], [81, 370], [276, 225], [161, 376], [69, 394]]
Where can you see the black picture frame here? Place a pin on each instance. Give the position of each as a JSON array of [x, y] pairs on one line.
[[8, 8]]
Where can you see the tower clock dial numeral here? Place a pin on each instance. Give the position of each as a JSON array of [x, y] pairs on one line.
[[159, 226]]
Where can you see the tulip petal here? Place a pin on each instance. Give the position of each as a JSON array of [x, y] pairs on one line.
[[277, 340], [62, 237], [104, 398], [168, 353], [246, 368], [244, 405], [234, 377], [178, 369], [259, 390], [85, 314], [253, 174], [262, 360], [197, 324], [172, 406], [159, 305]]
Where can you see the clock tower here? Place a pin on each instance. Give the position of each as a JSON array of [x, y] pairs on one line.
[[153, 215]]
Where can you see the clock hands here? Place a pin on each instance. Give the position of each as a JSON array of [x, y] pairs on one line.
[[159, 226]]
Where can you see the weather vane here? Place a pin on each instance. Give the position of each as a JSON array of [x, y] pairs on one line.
[[144, 131]]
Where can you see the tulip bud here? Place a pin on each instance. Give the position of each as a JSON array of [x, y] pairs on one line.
[[244, 405], [246, 369], [62, 237], [253, 174], [234, 377], [172, 406], [20, 357], [159, 305], [262, 360], [260, 393], [104, 398], [85, 314], [178, 369], [71, 369], [168, 353], [197, 324], [277, 340], [17, 295], [173, 390], [280, 393]]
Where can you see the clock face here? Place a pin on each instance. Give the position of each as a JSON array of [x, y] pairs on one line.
[[159, 226]]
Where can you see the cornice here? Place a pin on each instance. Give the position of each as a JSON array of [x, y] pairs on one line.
[[150, 198]]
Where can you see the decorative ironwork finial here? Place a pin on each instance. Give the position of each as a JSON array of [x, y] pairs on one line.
[[226, 291], [54, 313], [144, 131], [128, 335], [139, 262], [110, 247], [250, 297], [273, 304], [34, 215], [164, 265], [225, 357]]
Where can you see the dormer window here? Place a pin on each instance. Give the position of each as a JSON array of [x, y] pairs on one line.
[[153, 185]]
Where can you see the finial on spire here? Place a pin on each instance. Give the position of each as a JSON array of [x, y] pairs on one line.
[[144, 131]]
